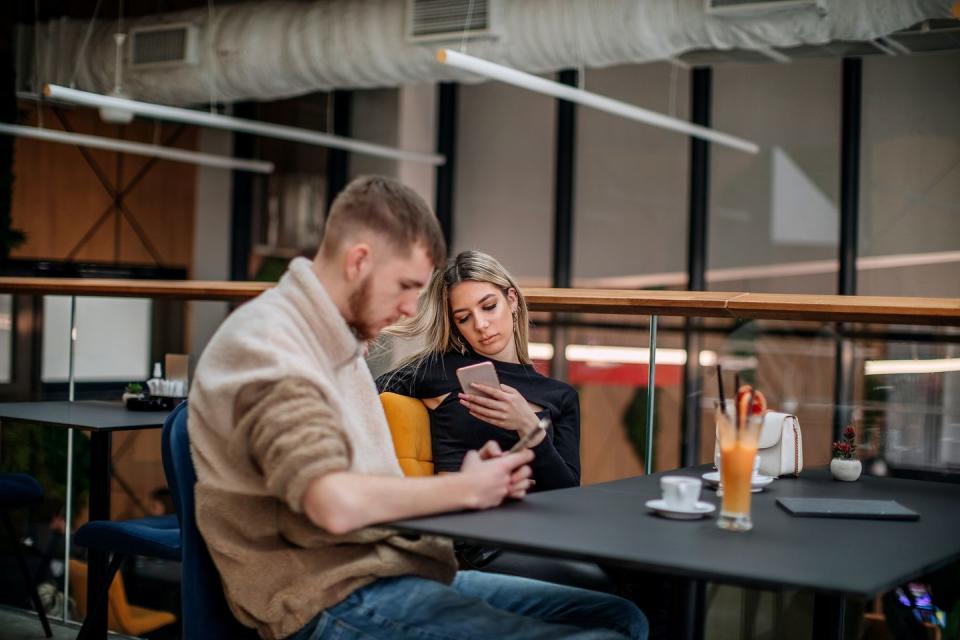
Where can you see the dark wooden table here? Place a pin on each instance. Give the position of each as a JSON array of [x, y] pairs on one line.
[[834, 558], [101, 419]]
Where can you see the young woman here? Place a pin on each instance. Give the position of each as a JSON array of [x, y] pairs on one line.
[[473, 312]]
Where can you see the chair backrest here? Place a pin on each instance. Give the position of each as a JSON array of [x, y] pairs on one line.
[[410, 427], [205, 613]]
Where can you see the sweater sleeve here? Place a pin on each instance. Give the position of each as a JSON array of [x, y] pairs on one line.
[[557, 461], [293, 434]]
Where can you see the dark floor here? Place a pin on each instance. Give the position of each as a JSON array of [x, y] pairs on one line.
[[16, 624]]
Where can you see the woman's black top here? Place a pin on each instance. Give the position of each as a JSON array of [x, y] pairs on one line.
[[454, 432]]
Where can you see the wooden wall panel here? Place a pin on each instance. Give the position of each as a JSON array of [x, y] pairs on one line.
[[57, 196]]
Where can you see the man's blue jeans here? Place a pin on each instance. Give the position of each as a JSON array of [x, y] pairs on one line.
[[481, 606]]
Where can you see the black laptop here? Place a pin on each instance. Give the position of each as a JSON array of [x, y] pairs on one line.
[[842, 508]]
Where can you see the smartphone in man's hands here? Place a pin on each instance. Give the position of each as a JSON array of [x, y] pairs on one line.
[[530, 436], [481, 373]]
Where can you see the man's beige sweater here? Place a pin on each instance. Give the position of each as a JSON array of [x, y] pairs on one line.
[[281, 396]]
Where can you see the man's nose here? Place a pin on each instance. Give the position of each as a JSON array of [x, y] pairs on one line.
[[408, 308]]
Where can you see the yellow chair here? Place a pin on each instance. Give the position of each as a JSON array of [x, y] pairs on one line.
[[123, 616], [410, 427]]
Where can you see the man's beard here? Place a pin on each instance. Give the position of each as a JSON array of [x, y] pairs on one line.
[[358, 305]]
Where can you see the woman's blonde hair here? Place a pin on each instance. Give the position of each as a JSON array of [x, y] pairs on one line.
[[434, 319]]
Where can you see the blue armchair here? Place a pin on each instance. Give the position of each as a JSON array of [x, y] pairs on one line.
[[205, 613], [18, 490]]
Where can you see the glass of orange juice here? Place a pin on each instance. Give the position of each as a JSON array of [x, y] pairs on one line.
[[738, 450]]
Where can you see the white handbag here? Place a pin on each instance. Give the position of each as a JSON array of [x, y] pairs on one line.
[[780, 448]]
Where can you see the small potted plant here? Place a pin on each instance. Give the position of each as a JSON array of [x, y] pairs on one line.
[[133, 392], [845, 465]]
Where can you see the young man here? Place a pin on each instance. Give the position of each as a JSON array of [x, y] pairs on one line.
[[296, 465]]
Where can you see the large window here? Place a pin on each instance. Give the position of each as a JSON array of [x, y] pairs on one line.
[[631, 184], [504, 184], [773, 216], [910, 176]]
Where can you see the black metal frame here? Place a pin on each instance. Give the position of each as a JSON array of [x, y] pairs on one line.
[[693, 612], [338, 160], [242, 196], [448, 94], [852, 90], [701, 86], [564, 190], [564, 185]]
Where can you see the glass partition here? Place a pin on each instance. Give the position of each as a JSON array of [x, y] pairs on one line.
[[906, 407], [6, 338], [910, 177], [630, 226], [774, 220]]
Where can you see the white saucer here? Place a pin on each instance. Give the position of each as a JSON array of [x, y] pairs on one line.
[[700, 509], [757, 482]]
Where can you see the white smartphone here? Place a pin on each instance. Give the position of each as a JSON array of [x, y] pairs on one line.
[[483, 373]]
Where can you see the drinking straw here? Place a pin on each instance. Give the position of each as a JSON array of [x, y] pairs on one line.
[[736, 397], [723, 402]]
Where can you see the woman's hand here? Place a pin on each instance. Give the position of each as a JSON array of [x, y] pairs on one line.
[[503, 407]]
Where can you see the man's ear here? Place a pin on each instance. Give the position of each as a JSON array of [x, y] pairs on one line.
[[357, 261]]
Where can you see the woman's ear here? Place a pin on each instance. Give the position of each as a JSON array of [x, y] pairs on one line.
[[513, 300]]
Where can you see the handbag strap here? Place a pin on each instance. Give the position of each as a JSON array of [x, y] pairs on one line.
[[796, 450]]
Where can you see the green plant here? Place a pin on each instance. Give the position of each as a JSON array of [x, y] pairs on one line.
[[134, 387], [635, 424], [41, 451]]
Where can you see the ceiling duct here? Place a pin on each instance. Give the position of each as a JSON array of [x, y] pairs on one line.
[[762, 7], [271, 49], [450, 20], [164, 45]]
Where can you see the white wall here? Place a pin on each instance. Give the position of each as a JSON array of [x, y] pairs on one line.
[[113, 339]]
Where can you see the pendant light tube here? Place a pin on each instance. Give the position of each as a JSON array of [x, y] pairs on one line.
[[136, 148], [531, 82], [241, 125]]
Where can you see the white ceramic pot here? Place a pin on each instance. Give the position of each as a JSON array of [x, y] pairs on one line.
[[846, 470]]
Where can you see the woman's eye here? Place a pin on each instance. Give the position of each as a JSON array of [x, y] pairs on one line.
[[490, 308], [462, 319]]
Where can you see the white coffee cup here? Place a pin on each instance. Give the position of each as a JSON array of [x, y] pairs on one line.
[[680, 492]]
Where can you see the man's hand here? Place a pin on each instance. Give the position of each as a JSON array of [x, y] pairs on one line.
[[490, 476]]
